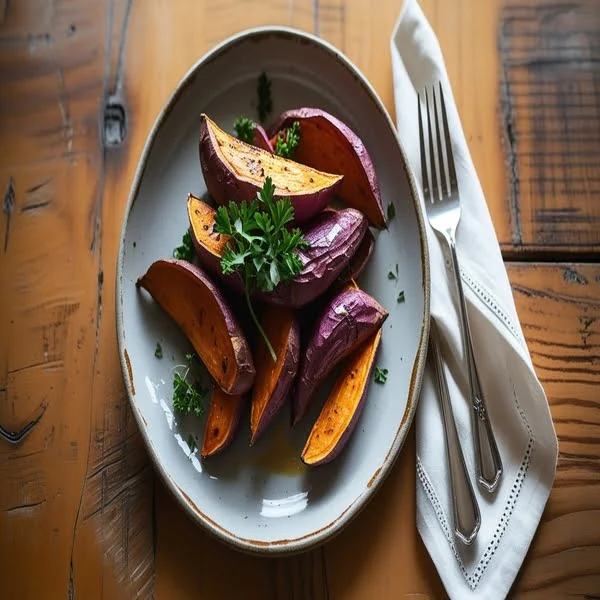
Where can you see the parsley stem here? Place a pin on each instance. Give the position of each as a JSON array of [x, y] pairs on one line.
[[260, 329]]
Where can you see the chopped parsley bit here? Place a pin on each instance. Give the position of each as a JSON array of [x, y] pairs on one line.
[[188, 397], [391, 211], [401, 297], [186, 250], [191, 443], [158, 351], [265, 102], [396, 270], [381, 375], [287, 141], [392, 275], [244, 129], [262, 246]]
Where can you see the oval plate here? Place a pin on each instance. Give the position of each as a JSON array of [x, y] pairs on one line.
[[263, 499]]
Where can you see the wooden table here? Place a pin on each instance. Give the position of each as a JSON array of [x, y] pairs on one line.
[[82, 513]]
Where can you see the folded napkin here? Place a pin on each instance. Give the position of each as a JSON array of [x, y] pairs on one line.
[[517, 405]]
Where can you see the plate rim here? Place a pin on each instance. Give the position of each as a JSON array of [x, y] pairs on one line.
[[319, 536]]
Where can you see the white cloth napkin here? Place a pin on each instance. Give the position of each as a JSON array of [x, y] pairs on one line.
[[517, 405]]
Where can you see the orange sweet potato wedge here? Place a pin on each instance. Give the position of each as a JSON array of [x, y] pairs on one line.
[[330, 145], [235, 171], [188, 295], [274, 378], [222, 421], [341, 410]]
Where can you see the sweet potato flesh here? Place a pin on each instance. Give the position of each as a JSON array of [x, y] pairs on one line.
[[202, 220], [195, 308], [340, 409], [252, 165], [222, 420], [324, 146], [277, 323]]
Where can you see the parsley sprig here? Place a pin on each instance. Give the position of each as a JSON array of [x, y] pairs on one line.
[[288, 140], [186, 250], [262, 247], [265, 101], [244, 129], [188, 396]]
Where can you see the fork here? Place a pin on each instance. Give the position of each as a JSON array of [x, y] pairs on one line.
[[442, 203]]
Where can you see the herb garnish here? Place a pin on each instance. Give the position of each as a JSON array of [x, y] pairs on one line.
[[392, 275], [188, 397], [186, 250], [288, 140], [401, 297], [158, 351], [244, 129], [381, 375], [265, 102], [261, 246], [191, 443], [391, 210]]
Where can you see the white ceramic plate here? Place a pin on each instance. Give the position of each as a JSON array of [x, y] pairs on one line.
[[263, 499]]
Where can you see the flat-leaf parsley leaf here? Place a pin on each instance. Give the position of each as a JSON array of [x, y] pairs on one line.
[[186, 250], [288, 140], [381, 375], [244, 129]]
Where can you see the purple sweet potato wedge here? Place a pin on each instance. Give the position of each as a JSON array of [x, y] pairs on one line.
[[235, 171], [188, 295], [274, 378], [330, 145], [341, 410], [348, 319]]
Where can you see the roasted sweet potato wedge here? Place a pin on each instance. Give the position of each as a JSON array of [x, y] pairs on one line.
[[348, 319], [188, 295], [328, 144], [274, 379], [235, 171], [360, 258], [333, 236], [222, 421], [341, 410]]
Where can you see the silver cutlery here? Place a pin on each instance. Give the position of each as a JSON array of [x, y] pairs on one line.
[[467, 518], [442, 204]]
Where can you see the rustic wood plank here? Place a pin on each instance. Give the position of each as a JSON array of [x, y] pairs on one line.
[[78, 497], [559, 308], [528, 100]]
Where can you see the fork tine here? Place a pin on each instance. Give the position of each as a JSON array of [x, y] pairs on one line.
[[424, 174], [444, 187], [435, 190], [449, 153]]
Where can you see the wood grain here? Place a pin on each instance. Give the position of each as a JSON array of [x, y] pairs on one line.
[[82, 82], [528, 100]]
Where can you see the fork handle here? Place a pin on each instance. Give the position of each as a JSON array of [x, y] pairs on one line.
[[467, 517], [489, 463]]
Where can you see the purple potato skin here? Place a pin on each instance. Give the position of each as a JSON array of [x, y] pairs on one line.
[[361, 257], [195, 275], [224, 187], [333, 236], [261, 139], [349, 318], [285, 381], [325, 120]]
